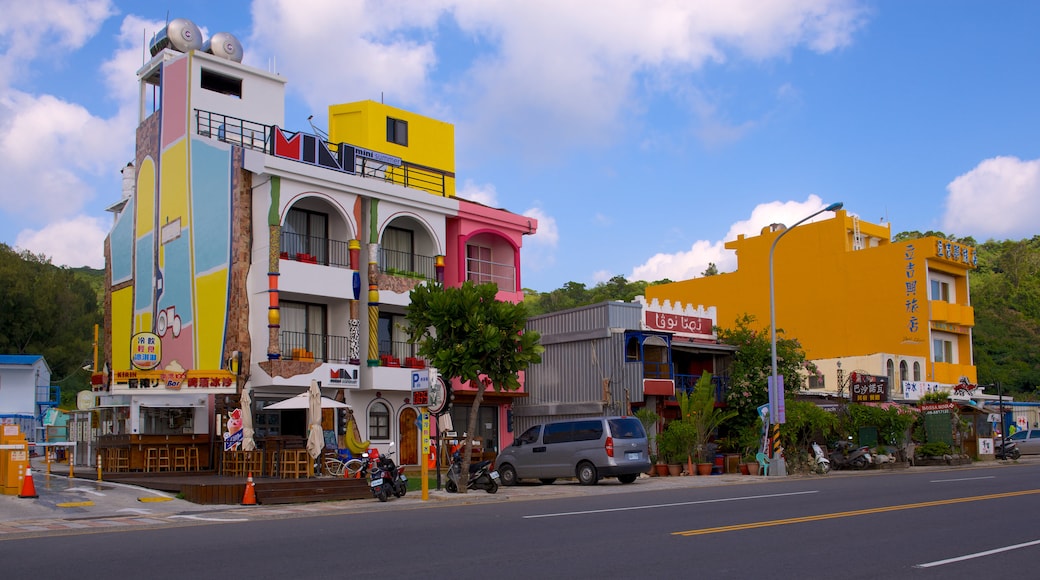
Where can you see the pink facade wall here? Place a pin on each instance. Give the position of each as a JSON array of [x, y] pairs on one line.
[[505, 227]]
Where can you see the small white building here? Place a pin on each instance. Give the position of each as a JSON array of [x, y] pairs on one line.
[[26, 392]]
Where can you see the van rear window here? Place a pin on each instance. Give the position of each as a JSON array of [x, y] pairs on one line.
[[626, 428]]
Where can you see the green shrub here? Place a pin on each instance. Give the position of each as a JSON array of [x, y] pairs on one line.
[[934, 449]]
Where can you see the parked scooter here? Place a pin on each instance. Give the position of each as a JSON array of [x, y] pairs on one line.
[[1006, 449], [845, 456], [387, 478], [822, 464], [481, 476]]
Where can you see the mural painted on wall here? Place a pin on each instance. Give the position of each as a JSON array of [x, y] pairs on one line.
[[183, 236]]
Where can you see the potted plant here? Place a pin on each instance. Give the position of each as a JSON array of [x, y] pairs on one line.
[[670, 448], [698, 409], [683, 435]]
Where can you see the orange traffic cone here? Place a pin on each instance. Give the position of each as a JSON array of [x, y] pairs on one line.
[[431, 462], [28, 487], [250, 496]]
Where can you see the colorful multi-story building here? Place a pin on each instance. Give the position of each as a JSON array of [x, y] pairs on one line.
[[245, 256], [855, 300]]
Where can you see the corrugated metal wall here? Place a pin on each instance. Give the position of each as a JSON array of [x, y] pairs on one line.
[[583, 347]]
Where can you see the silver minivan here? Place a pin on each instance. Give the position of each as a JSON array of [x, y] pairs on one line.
[[587, 449]]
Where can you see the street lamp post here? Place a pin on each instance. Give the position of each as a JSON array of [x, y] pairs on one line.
[[772, 294]]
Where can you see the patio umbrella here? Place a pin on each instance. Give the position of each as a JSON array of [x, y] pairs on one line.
[[315, 437], [248, 444], [303, 401]]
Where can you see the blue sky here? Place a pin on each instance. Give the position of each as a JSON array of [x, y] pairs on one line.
[[642, 135]]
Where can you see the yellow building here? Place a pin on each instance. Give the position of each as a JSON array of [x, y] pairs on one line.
[[854, 299], [426, 146]]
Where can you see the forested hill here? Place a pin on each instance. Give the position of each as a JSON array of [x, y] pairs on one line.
[[50, 311]]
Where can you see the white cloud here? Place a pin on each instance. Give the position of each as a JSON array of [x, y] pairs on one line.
[[75, 242], [54, 153], [337, 52], [548, 234], [566, 72], [485, 194], [999, 198], [32, 30], [690, 263]]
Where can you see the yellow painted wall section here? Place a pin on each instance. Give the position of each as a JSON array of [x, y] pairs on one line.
[[173, 201], [144, 221], [145, 202], [835, 300], [211, 304], [122, 317], [430, 142]]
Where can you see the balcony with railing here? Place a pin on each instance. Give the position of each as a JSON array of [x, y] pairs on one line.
[[501, 274], [686, 383], [342, 157], [398, 263], [314, 250], [310, 347], [394, 353]]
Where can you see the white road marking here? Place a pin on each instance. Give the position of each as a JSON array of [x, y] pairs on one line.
[[962, 479], [666, 505], [202, 519], [85, 490], [977, 555], [138, 511]]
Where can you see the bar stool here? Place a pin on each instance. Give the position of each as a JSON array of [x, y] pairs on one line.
[[294, 463], [180, 459], [122, 459], [151, 459], [193, 458], [164, 459]]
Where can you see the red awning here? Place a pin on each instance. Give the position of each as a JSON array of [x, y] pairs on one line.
[[661, 387]]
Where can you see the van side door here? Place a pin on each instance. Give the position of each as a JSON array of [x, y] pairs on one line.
[[528, 453]]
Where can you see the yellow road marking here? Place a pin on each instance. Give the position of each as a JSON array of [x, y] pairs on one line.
[[154, 499], [75, 504], [863, 512]]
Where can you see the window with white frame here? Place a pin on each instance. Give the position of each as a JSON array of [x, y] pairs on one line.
[[942, 350], [941, 287], [379, 421]]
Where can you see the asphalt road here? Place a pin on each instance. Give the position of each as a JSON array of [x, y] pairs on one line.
[[906, 524]]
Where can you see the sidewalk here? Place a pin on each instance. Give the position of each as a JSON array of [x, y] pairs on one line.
[[81, 505]]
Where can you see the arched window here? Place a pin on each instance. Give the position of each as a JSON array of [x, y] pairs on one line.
[[891, 372], [902, 371], [378, 421], [917, 371]]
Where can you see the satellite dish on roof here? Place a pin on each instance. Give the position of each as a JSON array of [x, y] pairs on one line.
[[224, 45], [180, 34]]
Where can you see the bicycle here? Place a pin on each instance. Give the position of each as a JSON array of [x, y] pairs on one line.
[[353, 468]]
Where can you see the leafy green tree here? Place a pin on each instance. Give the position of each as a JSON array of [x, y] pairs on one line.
[[467, 334], [805, 422], [49, 311], [752, 365], [711, 270]]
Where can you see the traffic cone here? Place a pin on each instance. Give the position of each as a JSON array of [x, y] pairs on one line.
[[432, 461], [28, 487], [250, 496]]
